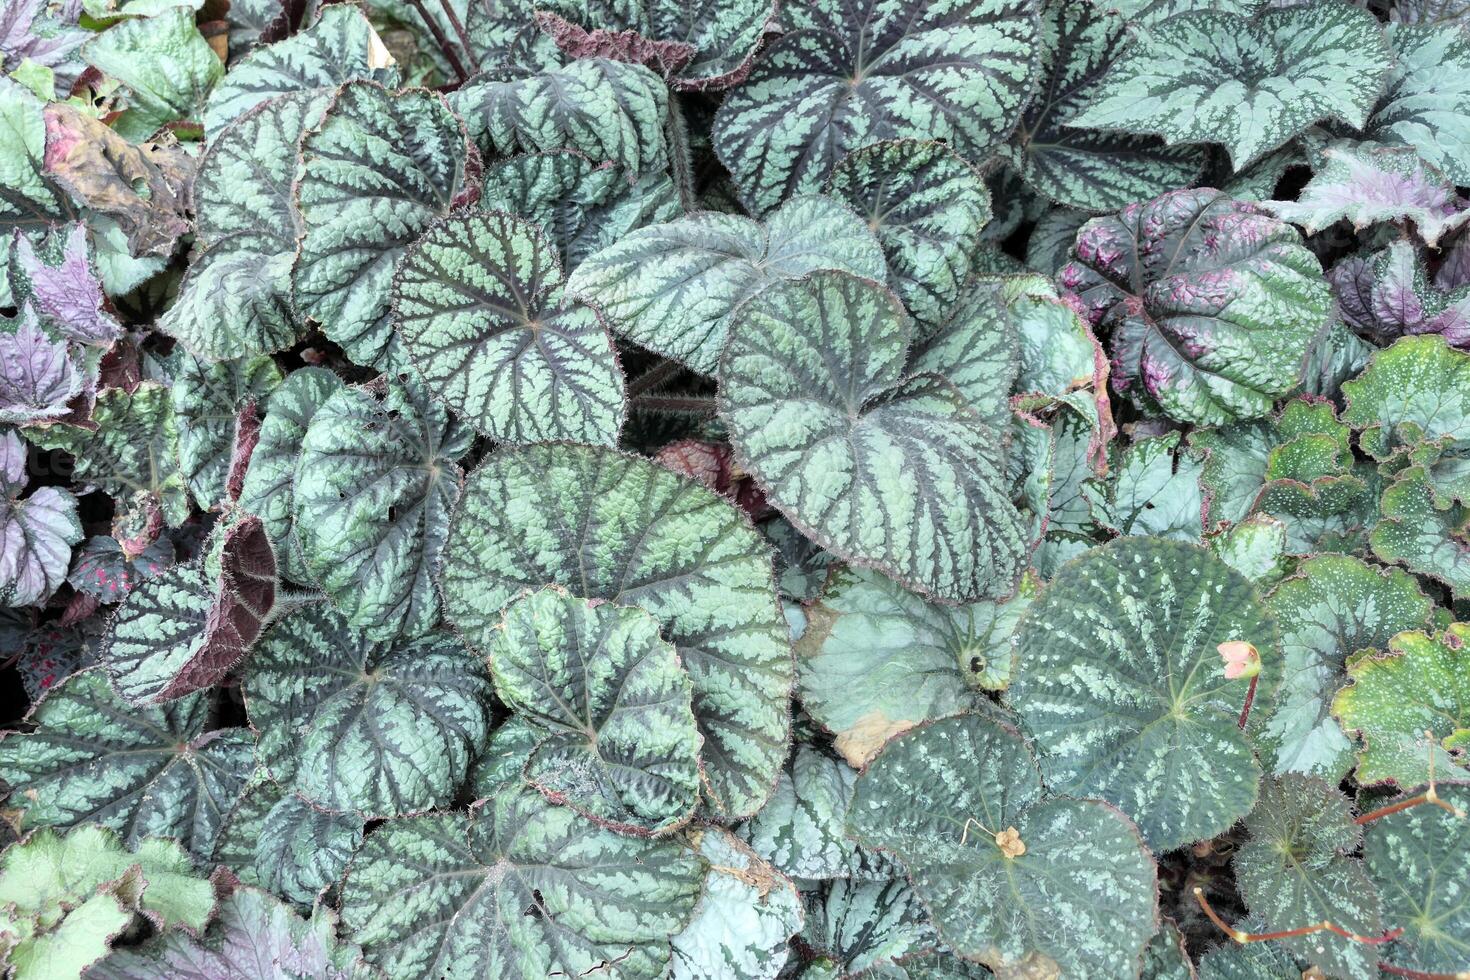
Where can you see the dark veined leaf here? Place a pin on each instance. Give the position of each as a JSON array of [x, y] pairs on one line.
[[341, 45], [1333, 607], [1153, 489], [104, 570], [47, 37], [502, 764], [1248, 961], [877, 659], [674, 287], [610, 704], [1417, 860], [978, 347], [447, 895], [377, 171], [1248, 83], [1089, 168], [615, 527], [140, 771], [1388, 294], [1414, 391], [1008, 877], [61, 283], [255, 936], [802, 831], [207, 402], [1122, 687], [867, 928], [39, 376], [1148, 14], [190, 626], [1295, 871], [889, 471], [1426, 100], [1410, 705], [30, 201], [478, 302], [1166, 957], [927, 207], [350, 724], [374, 486], [1209, 302], [850, 74], [165, 64], [36, 532]]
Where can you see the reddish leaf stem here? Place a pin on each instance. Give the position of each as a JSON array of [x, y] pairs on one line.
[[1250, 698], [1242, 936], [444, 46], [1400, 971]]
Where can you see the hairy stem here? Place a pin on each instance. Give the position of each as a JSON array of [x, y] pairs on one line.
[[681, 163], [653, 377], [1250, 699], [1242, 936], [1401, 971], [675, 404], [1428, 796]]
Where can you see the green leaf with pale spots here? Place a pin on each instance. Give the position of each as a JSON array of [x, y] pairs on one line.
[[746, 914], [374, 486], [1250, 84], [1080, 898], [1250, 961], [1166, 957], [582, 206], [881, 468], [376, 172], [616, 527], [1415, 391], [1334, 606], [1421, 536], [165, 65], [802, 831], [866, 928], [518, 888], [674, 287], [1410, 705], [610, 111], [877, 659], [350, 724], [1089, 168], [341, 45], [977, 348], [1122, 687], [207, 398], [850, 74], [478, 301], [1426, 100], [1417, 860], [270, 479], [927, 207], [1296, 870], [143, 772], [610, 703]]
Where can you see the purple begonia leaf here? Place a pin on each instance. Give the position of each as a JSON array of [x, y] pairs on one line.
[[13, 477], [51, 654], [1368, 183], [63, 287], [104, 570], [1389, 294], [37, 374], [50, 39], [36, 535]]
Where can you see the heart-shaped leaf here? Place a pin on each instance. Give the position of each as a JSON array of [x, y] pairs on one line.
[[39, 376], [61, 283]]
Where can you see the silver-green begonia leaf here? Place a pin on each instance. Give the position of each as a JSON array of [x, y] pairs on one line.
[[1426, 101], [164, 63]]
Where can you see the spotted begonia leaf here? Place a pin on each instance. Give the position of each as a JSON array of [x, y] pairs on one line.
[[674, 287], [279, 841], [1416, 390], [39, 376], [142, 772], [1122, 687], [62, 286], [1252, 961], [376, 172], [479, 304], [350, 724], [1166, 957], [104, 570], [927, 207], [254, 936], [165, 64], [1089, 168], [1417, 860], [374, 486], [1077, 895], [1410, 705], [1420, 535], [615, 527], [877, 659], [802, 830], [1248, 83], [1426, 100], [610, 704], [37, 531], [747, 912], [866, 928], [1333, 607], [207, 401], [850, 74], [891, 472], [446, 895], [1209, 301], [1297, 869]]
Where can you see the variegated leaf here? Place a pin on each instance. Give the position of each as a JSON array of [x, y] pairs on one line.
[[802, 831], [279, 841], [207, 401], [1426, 100]]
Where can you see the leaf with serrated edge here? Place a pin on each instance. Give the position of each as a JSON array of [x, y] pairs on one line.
[[1416, 390], [867, 927], [36, 538], [746, 914], [1421, 536], [166, 65], [1426, 100], [207, 398]]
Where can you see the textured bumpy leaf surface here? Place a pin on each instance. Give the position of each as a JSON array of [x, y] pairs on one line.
[[1417, 860], [850, 74], [1210, 303], [610, 703], [142, 772], [1410, 705], [1248, 83], [1334, 606], [877, 659], [1426, 100], [207, 399], [479, 305], [1086, 168], [1388, 294], [1154, 489], [518, 888], [614, 527], [898, 474], [164, 63], [355, 725], [976, 348], [802, 830], [38, 374], [61, 283], [1295, 870], [1420, 535], [375, 483], [673, 287], [1121, 685], [36, 532], [279, 841], [1418, 389], [1080, 897], [868, 926], [377, 171]]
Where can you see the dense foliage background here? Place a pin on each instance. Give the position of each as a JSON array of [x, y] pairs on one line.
[[698, 488]]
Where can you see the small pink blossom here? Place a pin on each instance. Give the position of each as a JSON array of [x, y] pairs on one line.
[[1241, 659]]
